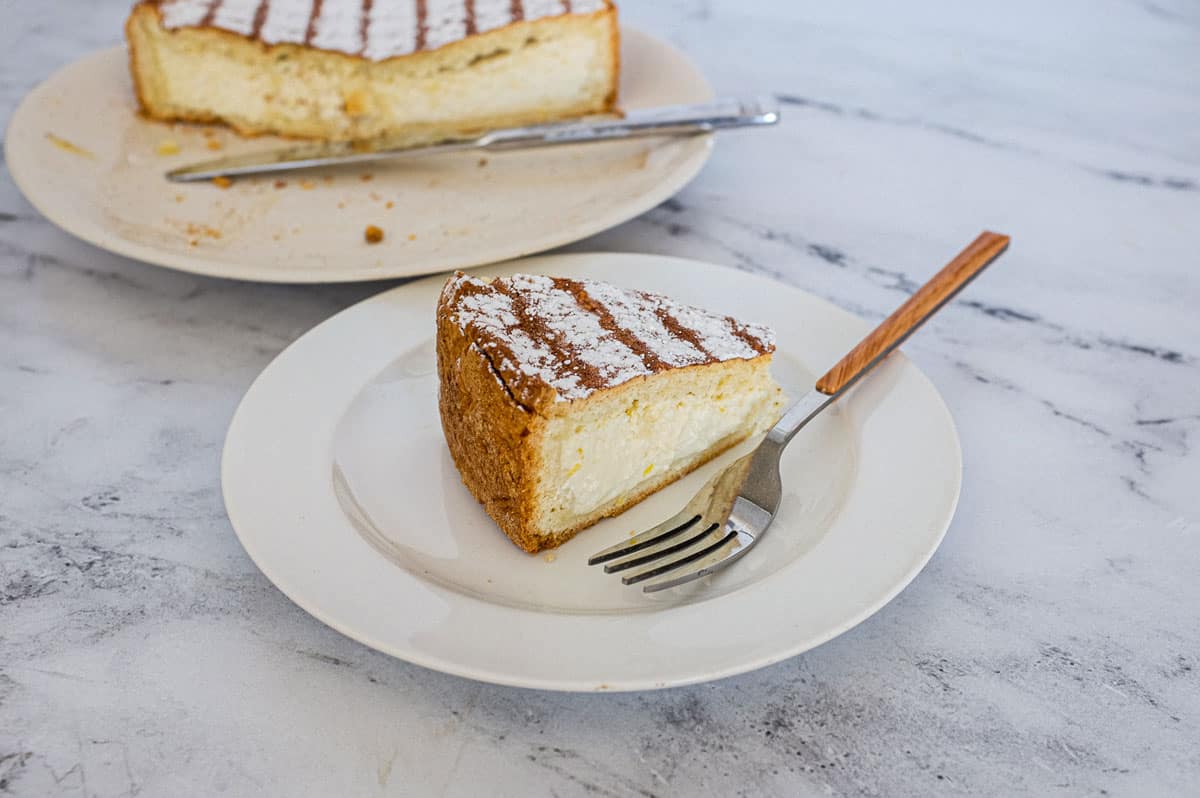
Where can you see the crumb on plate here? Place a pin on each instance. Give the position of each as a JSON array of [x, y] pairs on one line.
[[168, 147], [280, 184], [373, 234], [220, 181], [214, 144]]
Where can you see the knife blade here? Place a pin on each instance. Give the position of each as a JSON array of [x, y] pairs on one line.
[[671, 120]]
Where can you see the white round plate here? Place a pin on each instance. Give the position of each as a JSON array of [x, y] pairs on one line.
[[83, 157], [340, 487]]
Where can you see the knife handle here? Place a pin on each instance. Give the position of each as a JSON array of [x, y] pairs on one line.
[[676, 119], [928, 299]]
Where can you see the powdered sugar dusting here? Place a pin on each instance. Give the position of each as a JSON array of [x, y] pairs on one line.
[[580, 333], [489, 16], [637, 315], [536, 333], [445, 22], [391, 29], [391, 25], [236, 15], [179, 13], [339, 26], [286, 21], [515, 354], [716, 334]]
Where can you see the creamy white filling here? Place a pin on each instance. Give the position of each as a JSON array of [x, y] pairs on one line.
[[591, 460]]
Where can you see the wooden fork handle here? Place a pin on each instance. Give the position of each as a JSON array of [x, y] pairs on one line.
[[928, 299]]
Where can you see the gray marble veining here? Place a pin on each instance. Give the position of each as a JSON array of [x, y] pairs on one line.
[[1052, 644]]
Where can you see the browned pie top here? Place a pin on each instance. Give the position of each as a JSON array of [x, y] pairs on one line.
[[374, 29], [579, 336]]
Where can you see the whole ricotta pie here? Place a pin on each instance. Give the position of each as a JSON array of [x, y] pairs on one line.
[[358, 69], [567, 401]]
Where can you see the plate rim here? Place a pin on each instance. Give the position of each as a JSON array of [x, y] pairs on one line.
[[95, 235], [433, 661]]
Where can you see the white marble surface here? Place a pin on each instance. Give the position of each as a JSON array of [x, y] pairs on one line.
[[1051, 646]]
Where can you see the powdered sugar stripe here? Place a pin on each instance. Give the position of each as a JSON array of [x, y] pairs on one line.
[[339, 26], [714, 333], [236, 16], [497, 332], [634, 314], [445, 22], [580, 335], [492, 15], [182, 13], [391, 29], [286, 22]]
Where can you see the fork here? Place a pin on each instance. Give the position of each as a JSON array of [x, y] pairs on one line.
[[726, 517]]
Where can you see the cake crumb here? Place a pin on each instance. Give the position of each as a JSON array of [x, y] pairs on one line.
[[390, 205], [550, 556], [328, 178], [179, 198], [374, 195], [167, 147], [202, 230], [366, 177], [280, 184], [412, 236], [214, 144], [483, 162], [208, 134], [341, 205], [307, 185], [373, 234], [220, 181]]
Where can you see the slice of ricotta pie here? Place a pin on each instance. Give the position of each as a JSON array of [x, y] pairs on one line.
[[566, 401]]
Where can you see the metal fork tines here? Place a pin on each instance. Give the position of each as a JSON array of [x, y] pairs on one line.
[[716, 528]]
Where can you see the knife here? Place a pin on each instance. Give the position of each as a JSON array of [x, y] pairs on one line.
[[673, 120]]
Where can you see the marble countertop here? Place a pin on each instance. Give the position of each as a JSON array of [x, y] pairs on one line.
[[1051, 646]]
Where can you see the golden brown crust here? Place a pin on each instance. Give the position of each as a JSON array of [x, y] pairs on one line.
[[610, 103], [148, 12], [136, 68], [488, 434]]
